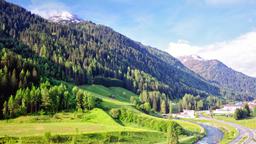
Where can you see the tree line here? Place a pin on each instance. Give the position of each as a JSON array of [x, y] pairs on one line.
[[190, 102], [15, 73], [48, 99]]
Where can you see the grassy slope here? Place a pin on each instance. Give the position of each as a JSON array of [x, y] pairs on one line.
[[62, 123], [93, 126], [95, 122], [99, 90], [114, 93]]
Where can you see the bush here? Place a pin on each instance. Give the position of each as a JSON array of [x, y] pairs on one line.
[[115, 113], [240, 114], [149, 122]]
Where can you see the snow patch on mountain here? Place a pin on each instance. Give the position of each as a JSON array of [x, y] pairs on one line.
[[64, 16], [191, 57]]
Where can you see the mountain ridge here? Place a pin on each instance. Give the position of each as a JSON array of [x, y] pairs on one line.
[[218, 72], [87, 50]]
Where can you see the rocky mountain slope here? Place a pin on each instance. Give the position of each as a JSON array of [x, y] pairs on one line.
[[213, 70]]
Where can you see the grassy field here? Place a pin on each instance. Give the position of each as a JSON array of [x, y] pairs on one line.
[[116, 97], [116, 93], [62, 123], [95, 126], [250, 122]]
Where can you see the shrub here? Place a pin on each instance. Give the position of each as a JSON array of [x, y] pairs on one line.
[[240, 114], [115, 113], [149, 122]]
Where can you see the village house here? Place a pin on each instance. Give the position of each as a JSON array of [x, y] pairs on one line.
[[231, 108]]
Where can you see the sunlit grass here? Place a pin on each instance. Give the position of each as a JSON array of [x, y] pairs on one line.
[[249, 122]]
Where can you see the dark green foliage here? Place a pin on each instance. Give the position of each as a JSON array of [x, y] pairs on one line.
[[46, 97], [239, 114], [108, 82], [15, 73], [191, 102], [84, 100], [154, 123], [154, 99], [242, 113], [84, 52], [247, 109]]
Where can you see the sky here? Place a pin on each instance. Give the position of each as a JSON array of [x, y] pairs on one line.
[[213, 29]]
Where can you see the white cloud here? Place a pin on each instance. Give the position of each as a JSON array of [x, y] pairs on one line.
[[229, 2], [221, 2], [47, 8], [239, 53]]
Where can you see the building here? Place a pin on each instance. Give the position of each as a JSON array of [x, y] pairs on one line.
[[185, 114], [231, 108]]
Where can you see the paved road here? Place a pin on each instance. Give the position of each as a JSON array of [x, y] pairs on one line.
[[213, 135], [243, 132]]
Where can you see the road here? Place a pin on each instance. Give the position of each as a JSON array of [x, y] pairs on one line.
[[213, 136], [243, 132]]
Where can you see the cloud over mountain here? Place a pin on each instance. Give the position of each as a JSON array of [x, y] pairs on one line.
[[48, 9], [239, 53]]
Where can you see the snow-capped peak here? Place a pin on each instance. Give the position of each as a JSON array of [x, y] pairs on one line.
[[64, 16]]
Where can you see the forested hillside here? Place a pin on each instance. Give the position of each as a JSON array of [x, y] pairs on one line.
[[86, 53], [237, 85]]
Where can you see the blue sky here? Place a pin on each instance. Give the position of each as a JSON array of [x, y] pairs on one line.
[[213, 29]]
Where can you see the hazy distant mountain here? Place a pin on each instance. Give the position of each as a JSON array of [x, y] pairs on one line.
[[217, 72]]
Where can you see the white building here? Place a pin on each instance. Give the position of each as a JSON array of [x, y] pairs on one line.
[[185, 114]]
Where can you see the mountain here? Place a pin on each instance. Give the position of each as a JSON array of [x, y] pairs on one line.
[[64, 17], [85, 53], [213, 70]]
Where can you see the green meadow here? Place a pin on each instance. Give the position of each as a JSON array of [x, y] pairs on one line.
[[94, 126]]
